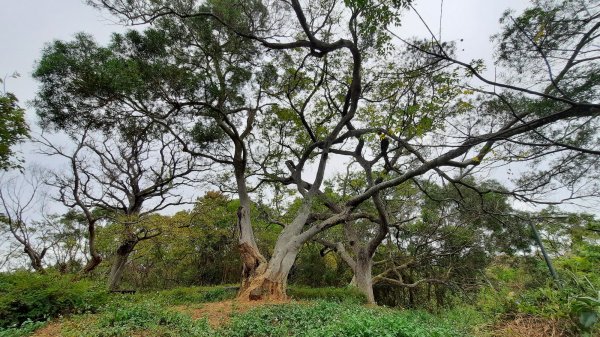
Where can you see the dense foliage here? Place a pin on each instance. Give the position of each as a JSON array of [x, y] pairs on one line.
[[35, 297], [13, 129]]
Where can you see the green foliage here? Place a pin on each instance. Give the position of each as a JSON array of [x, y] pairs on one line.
[[79, 78], [376, 16], [187, 295], [346, 294], [26, 296], [314, 270], [148, 317], [587, 310], [150, 314], [205, 134], [522, 286], [13, 129], [543, 32], [334, 319], [25, 329]]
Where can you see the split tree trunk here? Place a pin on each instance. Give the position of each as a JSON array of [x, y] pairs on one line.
[[269, 280], [262, 280]]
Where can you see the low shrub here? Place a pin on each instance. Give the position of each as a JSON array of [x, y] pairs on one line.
[[573, 304], [346, 294], [34, 297], [185, 295]]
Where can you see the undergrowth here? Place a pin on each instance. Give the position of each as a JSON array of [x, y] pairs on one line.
[[321, 318], [25, 329], [37, 297]]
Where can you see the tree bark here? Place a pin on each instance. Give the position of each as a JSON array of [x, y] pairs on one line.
[[363, 279], [253, 262], [118, 266], [95, 260], [95, 257], [35, 258], [269, 281]]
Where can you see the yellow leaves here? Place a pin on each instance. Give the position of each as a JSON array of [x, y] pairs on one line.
[[539, 35], [330, 261], [463, 106]]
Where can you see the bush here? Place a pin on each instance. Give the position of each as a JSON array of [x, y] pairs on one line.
[[27, 296], [346, 294], [521, 288], [185, 295]]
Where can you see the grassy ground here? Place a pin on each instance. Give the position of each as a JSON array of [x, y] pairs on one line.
[[185, 312]]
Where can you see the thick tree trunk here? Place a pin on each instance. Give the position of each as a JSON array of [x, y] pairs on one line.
[[269, 282], [262, 280], [361, 263], [116, 271], [253, 262], [362, 279]]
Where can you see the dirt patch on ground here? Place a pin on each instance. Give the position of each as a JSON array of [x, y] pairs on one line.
[[52, 329], [527, 326], [219, 313]]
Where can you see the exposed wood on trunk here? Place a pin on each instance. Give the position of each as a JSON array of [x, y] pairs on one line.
[[118, 266]]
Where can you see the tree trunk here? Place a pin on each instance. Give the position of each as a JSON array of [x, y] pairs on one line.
[[269, 282], [95, 257], [92, 263], [253, 262], [363, 279], [262, 280], [35, 258], [116, 271]]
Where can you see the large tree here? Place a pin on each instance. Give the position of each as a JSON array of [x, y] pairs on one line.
[[326, 65], [122, 175]]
